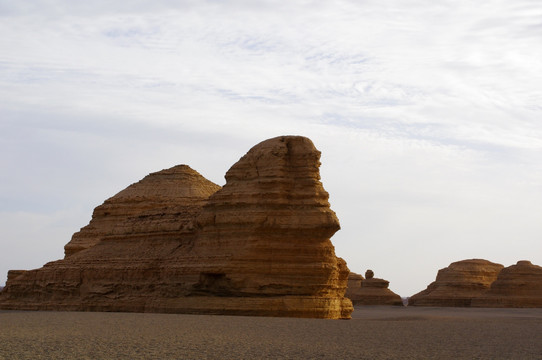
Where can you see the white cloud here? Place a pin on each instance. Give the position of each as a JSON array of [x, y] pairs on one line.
[[427, 113]]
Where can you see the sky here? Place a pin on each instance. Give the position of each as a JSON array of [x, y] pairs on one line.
[[428, 115]]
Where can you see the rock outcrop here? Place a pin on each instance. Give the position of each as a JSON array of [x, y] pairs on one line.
[[370, 291], [175, 242], [458, 284], [518, 286]]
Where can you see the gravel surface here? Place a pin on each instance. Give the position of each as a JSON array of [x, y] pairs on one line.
[[373, 333]]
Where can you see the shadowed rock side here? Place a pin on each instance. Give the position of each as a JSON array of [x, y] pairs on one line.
[[518, 285], [458, 284], [370, 291], [258, 246]]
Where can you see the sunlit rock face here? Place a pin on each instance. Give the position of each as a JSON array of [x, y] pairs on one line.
[[458, 284], [159, 205], [175, 242], [518, 285], [116, 262]]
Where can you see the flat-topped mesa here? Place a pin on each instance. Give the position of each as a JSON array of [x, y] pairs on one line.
[[370, 291], [175, 242], [160, 203], [267, 231], [518, 286], [458, 284]]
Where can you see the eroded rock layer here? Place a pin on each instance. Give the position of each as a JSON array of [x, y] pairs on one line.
[[370, 291], [175, 242], [458, 284], [162, 203], [518, 285], [116, 262]]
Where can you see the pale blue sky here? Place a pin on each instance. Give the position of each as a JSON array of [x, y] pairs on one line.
[[427, 113]]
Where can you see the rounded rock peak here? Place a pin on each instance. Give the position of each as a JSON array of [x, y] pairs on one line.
[[473, 264], [180, 181], [472, 261], [524, 263], [369, 274], [282, 156], [295, 140], [290, 145], [182, 168]]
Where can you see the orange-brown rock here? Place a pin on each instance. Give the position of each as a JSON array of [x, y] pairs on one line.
[[354, 282], [174, 242], [370, 291], [159, 205], [458, 284], [115, 262], [518, 286], [12, 274]]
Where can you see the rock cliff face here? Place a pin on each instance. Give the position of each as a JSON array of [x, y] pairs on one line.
[[175, 242], [518, 285], [458, 284], [370, 291]]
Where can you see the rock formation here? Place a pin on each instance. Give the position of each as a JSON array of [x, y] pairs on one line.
[[370, 291], [160, 205], [518, 285], [175, 242], [354, 282], [458, 284]]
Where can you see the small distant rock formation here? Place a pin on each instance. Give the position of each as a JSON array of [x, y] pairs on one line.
[[518, 286], [370, 291], [354, 282], [175, 242], [481, 283], [458, 284]]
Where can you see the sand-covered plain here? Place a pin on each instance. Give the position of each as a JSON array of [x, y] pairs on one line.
[[373, 333]]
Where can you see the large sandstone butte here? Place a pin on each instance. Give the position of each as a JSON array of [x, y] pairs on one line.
[[175, 242], [458, 284], [518, 285], [370, 291]]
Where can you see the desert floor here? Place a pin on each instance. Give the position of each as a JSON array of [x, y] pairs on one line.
[[373, 333]]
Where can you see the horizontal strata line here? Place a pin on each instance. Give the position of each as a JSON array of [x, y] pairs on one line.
[[157, 236], [270, 205]]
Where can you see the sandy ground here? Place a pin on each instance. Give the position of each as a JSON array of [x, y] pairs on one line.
[[373, 333]]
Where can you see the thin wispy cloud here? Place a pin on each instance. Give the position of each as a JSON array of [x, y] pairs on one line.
[[427, 114]]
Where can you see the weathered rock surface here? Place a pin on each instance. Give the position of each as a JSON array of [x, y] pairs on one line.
[[518, 285], [175, 242], [370, 291], [458, 284], [354, 282], [159, 205], [12, 274]]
